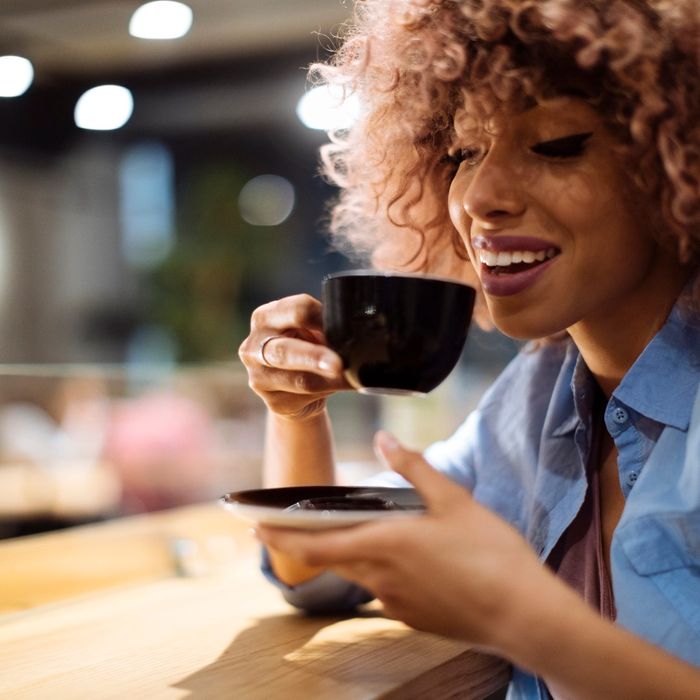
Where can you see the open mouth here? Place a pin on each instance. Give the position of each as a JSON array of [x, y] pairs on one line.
[[514, 261]]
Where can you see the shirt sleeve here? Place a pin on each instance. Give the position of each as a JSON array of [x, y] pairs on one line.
[[454, 456], [325, 593]]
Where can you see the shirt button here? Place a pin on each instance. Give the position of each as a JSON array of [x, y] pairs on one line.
[[620, 415], [631, 478]]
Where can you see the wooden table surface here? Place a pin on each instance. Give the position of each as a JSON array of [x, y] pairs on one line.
[[172, 605]]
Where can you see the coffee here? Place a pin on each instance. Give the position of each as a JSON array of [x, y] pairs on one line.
[[345, 503], [396, 333]]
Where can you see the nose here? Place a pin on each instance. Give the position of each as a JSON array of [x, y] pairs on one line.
[[494, 192]]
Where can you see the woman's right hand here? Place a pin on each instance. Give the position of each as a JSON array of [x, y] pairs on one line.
[[289, 365]]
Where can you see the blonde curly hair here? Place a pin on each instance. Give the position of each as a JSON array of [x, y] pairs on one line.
[[425, 69]]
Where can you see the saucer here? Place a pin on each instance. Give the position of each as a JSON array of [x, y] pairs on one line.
[[322, 507]]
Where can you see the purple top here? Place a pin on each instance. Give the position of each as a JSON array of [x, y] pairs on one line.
[[577, 558]]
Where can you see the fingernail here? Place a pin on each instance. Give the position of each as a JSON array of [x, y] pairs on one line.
[[386, 442]]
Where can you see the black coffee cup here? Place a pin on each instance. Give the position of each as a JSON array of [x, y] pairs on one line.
[[396, 333]]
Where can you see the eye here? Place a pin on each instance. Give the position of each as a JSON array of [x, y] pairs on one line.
[[566, 147], [470, 155]]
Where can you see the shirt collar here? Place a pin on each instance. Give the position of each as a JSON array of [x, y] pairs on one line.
[[563, 416], [663, 381], [660, 385]]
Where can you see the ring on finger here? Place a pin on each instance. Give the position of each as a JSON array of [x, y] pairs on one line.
[[263, 345]]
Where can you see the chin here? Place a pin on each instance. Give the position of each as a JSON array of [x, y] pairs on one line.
[[524, 326]]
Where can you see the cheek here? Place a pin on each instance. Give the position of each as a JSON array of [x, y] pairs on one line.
[[597, 215], [595, 196], [454, 205], [458, 215], [580, 198], [612, 249]]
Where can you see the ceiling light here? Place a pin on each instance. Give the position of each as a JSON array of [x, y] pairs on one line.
[[16, 75], [104, 108], [328, 107], [162, 19]]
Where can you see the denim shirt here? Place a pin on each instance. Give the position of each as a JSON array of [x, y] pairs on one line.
[[523, 453]]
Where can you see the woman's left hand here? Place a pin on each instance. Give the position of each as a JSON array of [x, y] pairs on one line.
[[459, 570]]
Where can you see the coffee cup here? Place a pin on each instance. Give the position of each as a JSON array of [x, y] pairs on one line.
[[397, 333]]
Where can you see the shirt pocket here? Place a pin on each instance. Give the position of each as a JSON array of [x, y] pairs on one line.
[[666, 549]]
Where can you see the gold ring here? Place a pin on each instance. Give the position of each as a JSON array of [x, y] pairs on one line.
[[261, 349]]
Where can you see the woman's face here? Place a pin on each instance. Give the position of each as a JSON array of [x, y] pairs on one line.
[[549, 219]]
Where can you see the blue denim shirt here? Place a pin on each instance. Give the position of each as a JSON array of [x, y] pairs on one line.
[[523, 453]]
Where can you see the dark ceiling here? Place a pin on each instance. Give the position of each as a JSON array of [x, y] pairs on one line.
[[90, 39], [242, 63]]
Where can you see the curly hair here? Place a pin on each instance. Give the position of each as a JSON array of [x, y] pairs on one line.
[[425, 70]]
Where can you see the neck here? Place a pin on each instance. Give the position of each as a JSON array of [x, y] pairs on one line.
[[611, 340]]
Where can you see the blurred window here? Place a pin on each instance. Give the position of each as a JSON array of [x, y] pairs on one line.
[[146, 181]]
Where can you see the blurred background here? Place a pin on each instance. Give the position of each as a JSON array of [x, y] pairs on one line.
[[158, 181]]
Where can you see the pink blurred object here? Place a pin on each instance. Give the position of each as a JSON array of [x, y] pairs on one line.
[[161, 445]]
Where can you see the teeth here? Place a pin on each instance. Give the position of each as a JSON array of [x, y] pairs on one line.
[[504, 259], [488, 258]]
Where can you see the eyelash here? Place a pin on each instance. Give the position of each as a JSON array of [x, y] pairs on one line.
[[465, 155], [566, 147]]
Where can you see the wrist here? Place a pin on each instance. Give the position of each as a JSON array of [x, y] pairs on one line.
[[538, 623], [298, 452], [314, 412]]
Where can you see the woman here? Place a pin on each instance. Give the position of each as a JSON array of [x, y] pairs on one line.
[[553, 147]]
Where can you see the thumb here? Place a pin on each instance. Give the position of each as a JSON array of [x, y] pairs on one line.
[[436, 490]]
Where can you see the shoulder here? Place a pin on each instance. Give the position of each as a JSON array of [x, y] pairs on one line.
[[505, 428]]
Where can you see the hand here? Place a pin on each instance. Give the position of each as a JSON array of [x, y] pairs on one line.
[[288, 363], [459, 570]]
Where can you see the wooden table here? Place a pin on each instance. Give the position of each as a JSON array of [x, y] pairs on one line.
[[172, 605]]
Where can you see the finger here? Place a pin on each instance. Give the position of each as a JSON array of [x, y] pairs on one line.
[[294, 354], [327, 548], [361, 572], [283, 383], [303, 547], [437, 490], [298, 311]]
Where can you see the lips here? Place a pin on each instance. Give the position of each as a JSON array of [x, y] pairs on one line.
[[511, 264]]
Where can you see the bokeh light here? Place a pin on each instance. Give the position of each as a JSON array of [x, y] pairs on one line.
[[104, 108], [16, 75], [162, 19], [328, 107], [266, 200]]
